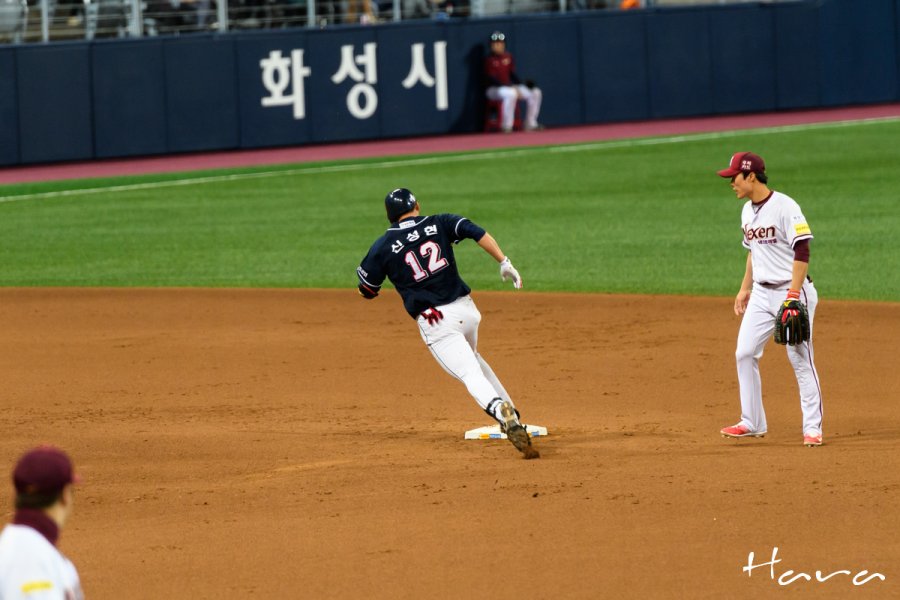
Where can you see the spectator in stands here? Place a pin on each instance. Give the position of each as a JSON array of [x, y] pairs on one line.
[[359, 11], [205, 12], [70, 12], [175, 16], [504, 85], [417, 9]]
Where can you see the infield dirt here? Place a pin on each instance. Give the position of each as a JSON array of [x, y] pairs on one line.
[[304, 444]]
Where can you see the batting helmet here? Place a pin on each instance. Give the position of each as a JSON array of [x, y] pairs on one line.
[[398, 203]]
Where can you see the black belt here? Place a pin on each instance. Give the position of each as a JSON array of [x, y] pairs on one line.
[[779, 284]]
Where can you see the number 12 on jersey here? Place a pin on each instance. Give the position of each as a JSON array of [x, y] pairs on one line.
[[432, 252]]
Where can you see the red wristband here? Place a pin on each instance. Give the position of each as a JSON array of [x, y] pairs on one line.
[[793, 294]]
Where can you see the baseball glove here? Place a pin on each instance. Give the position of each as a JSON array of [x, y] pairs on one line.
[[792, 323]]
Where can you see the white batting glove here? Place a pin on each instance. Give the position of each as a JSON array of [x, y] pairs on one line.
[[507, 271]]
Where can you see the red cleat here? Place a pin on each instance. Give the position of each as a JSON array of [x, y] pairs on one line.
[[738, 431], [812, 440]]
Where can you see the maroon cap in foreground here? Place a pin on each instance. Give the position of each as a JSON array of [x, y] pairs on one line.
[[742, 162], [43, 470]]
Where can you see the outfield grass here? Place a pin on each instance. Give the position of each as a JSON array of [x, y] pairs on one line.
[[646, 216]]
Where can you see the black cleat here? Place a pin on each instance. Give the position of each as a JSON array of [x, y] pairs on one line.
[[515, 432]]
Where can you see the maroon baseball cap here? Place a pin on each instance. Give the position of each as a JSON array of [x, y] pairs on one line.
[[43, 470], [742, 162]]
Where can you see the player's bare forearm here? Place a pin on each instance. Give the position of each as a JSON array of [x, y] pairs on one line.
[[490, 245], [507, 271], [799, 271], [743, 295], [747, 282]]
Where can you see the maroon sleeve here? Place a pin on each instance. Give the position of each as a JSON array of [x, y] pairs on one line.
[[801, 251]]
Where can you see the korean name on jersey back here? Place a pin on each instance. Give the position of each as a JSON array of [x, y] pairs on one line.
[[417, 256]]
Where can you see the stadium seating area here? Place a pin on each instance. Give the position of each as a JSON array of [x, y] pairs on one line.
[[23, 21]]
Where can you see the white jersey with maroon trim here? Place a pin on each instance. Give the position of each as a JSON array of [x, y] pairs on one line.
[[770, 232], [31, 568]]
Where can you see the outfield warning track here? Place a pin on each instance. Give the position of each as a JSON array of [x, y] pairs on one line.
[[429, 145]]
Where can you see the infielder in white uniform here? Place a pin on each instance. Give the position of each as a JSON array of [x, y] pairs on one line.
[[777, 235], [31, 567]]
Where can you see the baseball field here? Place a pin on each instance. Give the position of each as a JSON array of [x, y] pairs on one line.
[[246, 426]]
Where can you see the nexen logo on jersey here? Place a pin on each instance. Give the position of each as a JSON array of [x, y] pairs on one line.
[[762, 235]]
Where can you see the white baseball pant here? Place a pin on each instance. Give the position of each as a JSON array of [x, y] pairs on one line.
[[757, 327], [453, 342], [509, 95]]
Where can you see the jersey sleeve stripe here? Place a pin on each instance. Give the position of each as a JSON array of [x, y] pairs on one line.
[[794, 241], [363, 280], [458, 223]]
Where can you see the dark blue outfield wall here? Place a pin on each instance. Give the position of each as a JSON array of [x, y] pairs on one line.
[[116, 98]]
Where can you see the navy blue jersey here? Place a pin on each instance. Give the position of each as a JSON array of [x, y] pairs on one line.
[[416, 254]]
